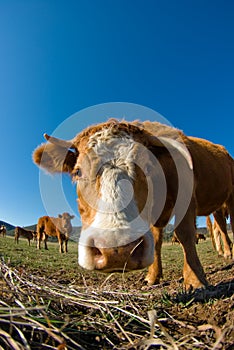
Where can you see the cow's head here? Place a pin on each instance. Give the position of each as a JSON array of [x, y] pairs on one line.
[[115, 170], [66, 225]]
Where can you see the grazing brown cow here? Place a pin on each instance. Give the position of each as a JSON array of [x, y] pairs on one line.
[[134, 176], [3, 230], [218, 232], [21, 232], [59, 227]]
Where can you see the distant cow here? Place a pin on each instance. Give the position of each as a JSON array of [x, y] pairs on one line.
[[59, 227], [3, 230], [200, 236], [174, 239], [131, 178], [21, 232]]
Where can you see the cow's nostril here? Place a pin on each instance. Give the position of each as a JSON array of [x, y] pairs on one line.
[[99, 258], [96, 252]]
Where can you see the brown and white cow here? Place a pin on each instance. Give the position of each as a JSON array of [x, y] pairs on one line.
[[59, 227], [21, 232], [3, 230], [131, 179]]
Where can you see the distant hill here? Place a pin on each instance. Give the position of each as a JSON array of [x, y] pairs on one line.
[[8, 226], [75, 235]]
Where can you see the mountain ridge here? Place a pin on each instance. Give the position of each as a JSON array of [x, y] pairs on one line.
[[8, 226]]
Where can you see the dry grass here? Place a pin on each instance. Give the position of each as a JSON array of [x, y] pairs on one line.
[[37, 312]]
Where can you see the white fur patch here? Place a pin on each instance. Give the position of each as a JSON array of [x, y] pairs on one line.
[[117, 221], [115, 150]]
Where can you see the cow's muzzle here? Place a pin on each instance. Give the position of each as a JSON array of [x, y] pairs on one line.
[[133, 256]]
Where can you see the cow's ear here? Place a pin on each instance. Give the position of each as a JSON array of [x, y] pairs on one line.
[[55, 158], [72, 217], [60, 216]]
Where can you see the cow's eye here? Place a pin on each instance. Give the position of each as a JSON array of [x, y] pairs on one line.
[[76, 174]]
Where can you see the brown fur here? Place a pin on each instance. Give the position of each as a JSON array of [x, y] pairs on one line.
[[59, 227], [213, 170], [21, 232]]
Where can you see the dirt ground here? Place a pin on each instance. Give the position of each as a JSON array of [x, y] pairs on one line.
[[82, 310]]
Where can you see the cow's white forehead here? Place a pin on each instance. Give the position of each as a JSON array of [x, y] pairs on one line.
[[115, 148], [106, 135], [107, 140]]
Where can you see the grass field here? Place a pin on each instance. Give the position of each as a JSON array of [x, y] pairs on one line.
[[48, 302]]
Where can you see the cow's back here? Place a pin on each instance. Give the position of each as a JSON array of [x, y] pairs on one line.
[[213, 175], [20, 231], [47, 225]]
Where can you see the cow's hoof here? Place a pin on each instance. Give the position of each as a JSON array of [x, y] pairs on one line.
[[195, 286], [151, 281], [228, 256]]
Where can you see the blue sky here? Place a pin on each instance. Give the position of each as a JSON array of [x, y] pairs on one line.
[[59, 57]]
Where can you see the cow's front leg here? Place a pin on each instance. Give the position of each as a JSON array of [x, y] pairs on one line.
[[194, 276], [45, 241], [61, 247], [155, 270], [65, 242], [60, 240]]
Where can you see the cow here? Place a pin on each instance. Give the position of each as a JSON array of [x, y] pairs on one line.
[[218, 232], [3, 230], [132, 178], [199, 236], [174, 239], [21, 232], [59, 227]]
